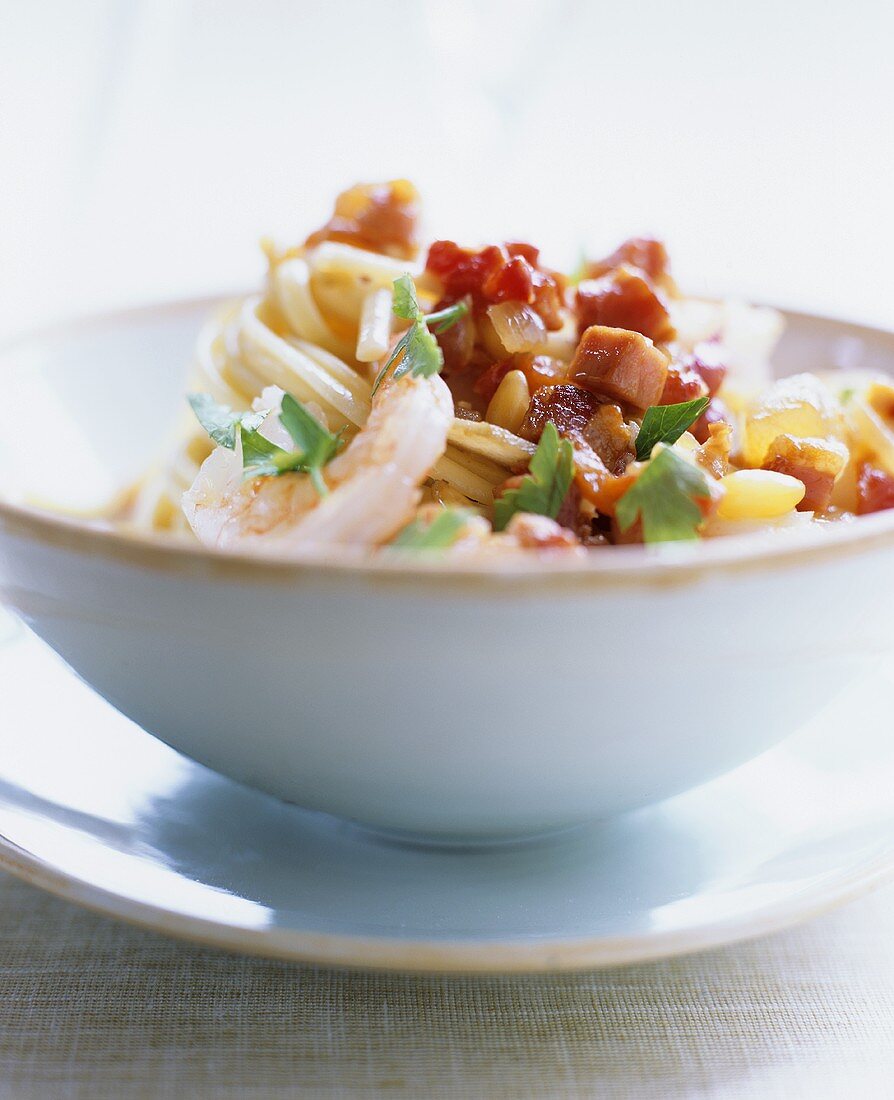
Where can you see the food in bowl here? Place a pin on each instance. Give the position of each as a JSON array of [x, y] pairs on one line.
[[476, 402], [423, 693]]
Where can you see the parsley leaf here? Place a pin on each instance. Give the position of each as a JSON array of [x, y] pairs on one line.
[[315, 446], [666, 423], [417, 351], [664, 498], [219, 421], [311, 437], [261, 458], [546, 486], [406, 304], [437, 535], [422, 355]]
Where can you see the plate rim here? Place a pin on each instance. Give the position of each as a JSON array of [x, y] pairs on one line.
[[532, 955]]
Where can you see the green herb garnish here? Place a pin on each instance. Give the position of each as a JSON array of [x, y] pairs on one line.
[[440, 533], [666, 423], [664, 498], [417, 351], [315, 444], [219, 421], [261, 458], [547, 484], [406, 304]]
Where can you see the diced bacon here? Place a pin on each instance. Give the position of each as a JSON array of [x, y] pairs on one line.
[[621, 365], [875, 490], [683, 384], [569, 407], [815, 462], [581, 517], [645, 253], [540, 532], [624, 299], [716, 413], [714, 453], [497, 274], [569, 514], [380, 217], [611, 437]]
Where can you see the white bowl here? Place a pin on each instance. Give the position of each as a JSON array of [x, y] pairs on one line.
[[443, 702]]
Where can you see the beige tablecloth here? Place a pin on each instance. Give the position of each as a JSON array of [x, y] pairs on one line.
[[91, 1008]]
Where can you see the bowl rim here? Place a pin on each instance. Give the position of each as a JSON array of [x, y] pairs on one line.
[[668, 564]]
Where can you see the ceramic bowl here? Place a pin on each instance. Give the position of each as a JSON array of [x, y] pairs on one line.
[[452, 703]]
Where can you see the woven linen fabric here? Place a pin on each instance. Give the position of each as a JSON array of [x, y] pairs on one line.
[[93, 1008]]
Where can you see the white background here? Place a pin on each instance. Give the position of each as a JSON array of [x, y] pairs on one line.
[[145, 146]]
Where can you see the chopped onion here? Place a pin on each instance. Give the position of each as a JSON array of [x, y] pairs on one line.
[[870, 430], [375, 325], [561, 344], [518, 326]]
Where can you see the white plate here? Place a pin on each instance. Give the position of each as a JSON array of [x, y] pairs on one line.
[[97, 811]]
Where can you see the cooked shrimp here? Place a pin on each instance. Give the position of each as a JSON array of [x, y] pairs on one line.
[[374, 483]]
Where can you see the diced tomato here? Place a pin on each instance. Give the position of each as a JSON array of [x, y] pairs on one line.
[[645, 253], [497, 274], [547, 300], [624, 298], [512, 282], [528, 251], [380, 217], [602, 489], [539, 370], [490, 378], [462, 271], [683, 384], [457, 343]]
